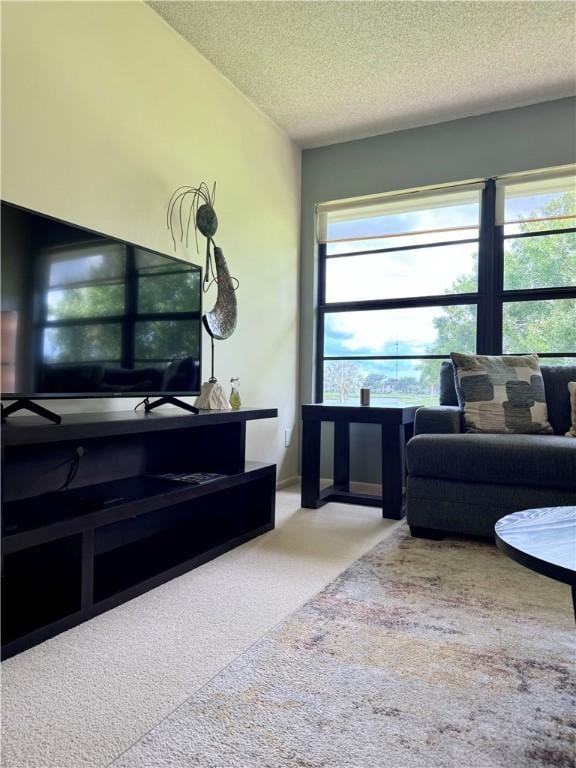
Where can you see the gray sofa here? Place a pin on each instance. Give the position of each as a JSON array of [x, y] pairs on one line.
[[463, 482]]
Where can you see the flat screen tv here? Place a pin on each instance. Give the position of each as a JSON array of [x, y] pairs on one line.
[[87, 315]]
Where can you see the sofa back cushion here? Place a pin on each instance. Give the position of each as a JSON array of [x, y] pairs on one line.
[[572, 389], [448, 394], [556, 379]]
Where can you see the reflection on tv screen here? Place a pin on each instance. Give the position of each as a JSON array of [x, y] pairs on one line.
[[85, 314]]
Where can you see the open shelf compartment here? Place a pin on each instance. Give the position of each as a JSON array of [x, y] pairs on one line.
[[135, 550], [40, 586]]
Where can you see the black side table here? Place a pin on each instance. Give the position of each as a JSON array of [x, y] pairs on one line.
[[397, 424]]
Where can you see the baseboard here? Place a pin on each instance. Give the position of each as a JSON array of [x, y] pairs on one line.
[[288, 481], [373, 489], [370, 488]]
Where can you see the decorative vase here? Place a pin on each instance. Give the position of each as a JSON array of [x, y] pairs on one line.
[[235, 401]]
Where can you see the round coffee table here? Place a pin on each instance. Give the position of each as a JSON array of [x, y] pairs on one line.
[[543, 540]]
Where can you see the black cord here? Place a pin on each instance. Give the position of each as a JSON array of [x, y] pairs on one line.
[[73, 471]]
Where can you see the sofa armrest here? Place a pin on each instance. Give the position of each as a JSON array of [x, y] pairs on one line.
[[438, 420]]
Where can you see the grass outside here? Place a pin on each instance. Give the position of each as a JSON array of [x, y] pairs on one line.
[[382, 400]]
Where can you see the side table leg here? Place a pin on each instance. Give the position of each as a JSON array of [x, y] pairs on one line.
[[310, 494], [342, 455], [393, 438]]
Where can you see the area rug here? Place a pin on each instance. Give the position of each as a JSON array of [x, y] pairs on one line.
[[420, 655]]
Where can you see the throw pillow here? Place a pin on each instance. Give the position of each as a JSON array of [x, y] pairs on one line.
[[572, 389], [503, 393]]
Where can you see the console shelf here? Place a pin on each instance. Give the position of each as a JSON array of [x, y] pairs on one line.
[[121, 529]]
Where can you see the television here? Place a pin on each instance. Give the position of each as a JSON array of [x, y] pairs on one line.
[[88, 315]]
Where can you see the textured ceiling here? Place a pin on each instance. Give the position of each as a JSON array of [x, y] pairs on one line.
[[331, 71]]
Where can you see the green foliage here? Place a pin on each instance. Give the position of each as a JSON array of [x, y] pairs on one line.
[[530, 262]]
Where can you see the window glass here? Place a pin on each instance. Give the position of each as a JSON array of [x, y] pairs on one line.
[[421, 272], [558, 361], [450, 211], [401, 241], [543, 261], [413, 382], [539, 326], [401, 332], [382, 249], [536, 204]]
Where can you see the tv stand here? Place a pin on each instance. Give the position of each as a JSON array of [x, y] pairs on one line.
[[130, 520], [29, 405], [169, 400]]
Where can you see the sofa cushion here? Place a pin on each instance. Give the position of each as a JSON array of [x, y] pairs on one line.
[[447, 393], [473, 508], [556, 379], [532, 460], [501, 393]]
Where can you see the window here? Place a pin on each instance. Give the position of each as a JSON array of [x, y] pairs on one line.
[[536, 223], [406, 279]]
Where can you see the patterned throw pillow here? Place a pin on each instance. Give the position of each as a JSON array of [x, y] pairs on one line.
[[572, 389], [501, 393]]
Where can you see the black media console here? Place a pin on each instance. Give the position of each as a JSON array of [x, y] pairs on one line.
[[120, 528]]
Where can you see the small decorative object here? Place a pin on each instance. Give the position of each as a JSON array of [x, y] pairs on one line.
[[212, 397], [235, 401], [220, 322], [364, 397]]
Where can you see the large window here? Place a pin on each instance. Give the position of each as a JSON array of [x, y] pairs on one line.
[[404, 280]]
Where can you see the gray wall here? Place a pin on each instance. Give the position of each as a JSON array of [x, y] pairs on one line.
[[522, 139]]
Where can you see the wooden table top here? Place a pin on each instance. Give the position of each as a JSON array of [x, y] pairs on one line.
[[541, 539], [390, 413]]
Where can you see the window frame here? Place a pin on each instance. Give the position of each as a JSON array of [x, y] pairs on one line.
[[489, 298]]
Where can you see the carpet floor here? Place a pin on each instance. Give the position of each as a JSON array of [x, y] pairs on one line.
[[420, 655], [82, 698]]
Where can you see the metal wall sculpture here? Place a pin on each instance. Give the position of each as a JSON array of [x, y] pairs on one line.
[[220, 323], [184, 203]]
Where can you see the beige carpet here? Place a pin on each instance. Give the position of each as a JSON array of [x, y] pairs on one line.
[[420, 655], [82, 698]]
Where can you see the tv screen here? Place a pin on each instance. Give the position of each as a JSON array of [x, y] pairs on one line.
[[85, 315]]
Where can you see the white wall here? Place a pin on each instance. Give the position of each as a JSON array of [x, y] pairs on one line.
[[105, 111]]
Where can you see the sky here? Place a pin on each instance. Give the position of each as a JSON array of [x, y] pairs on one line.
[[422, 272]]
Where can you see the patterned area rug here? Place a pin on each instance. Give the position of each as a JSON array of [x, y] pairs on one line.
[[421, 654]]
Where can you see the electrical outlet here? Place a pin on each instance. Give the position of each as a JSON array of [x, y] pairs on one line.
[[287, 438]]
